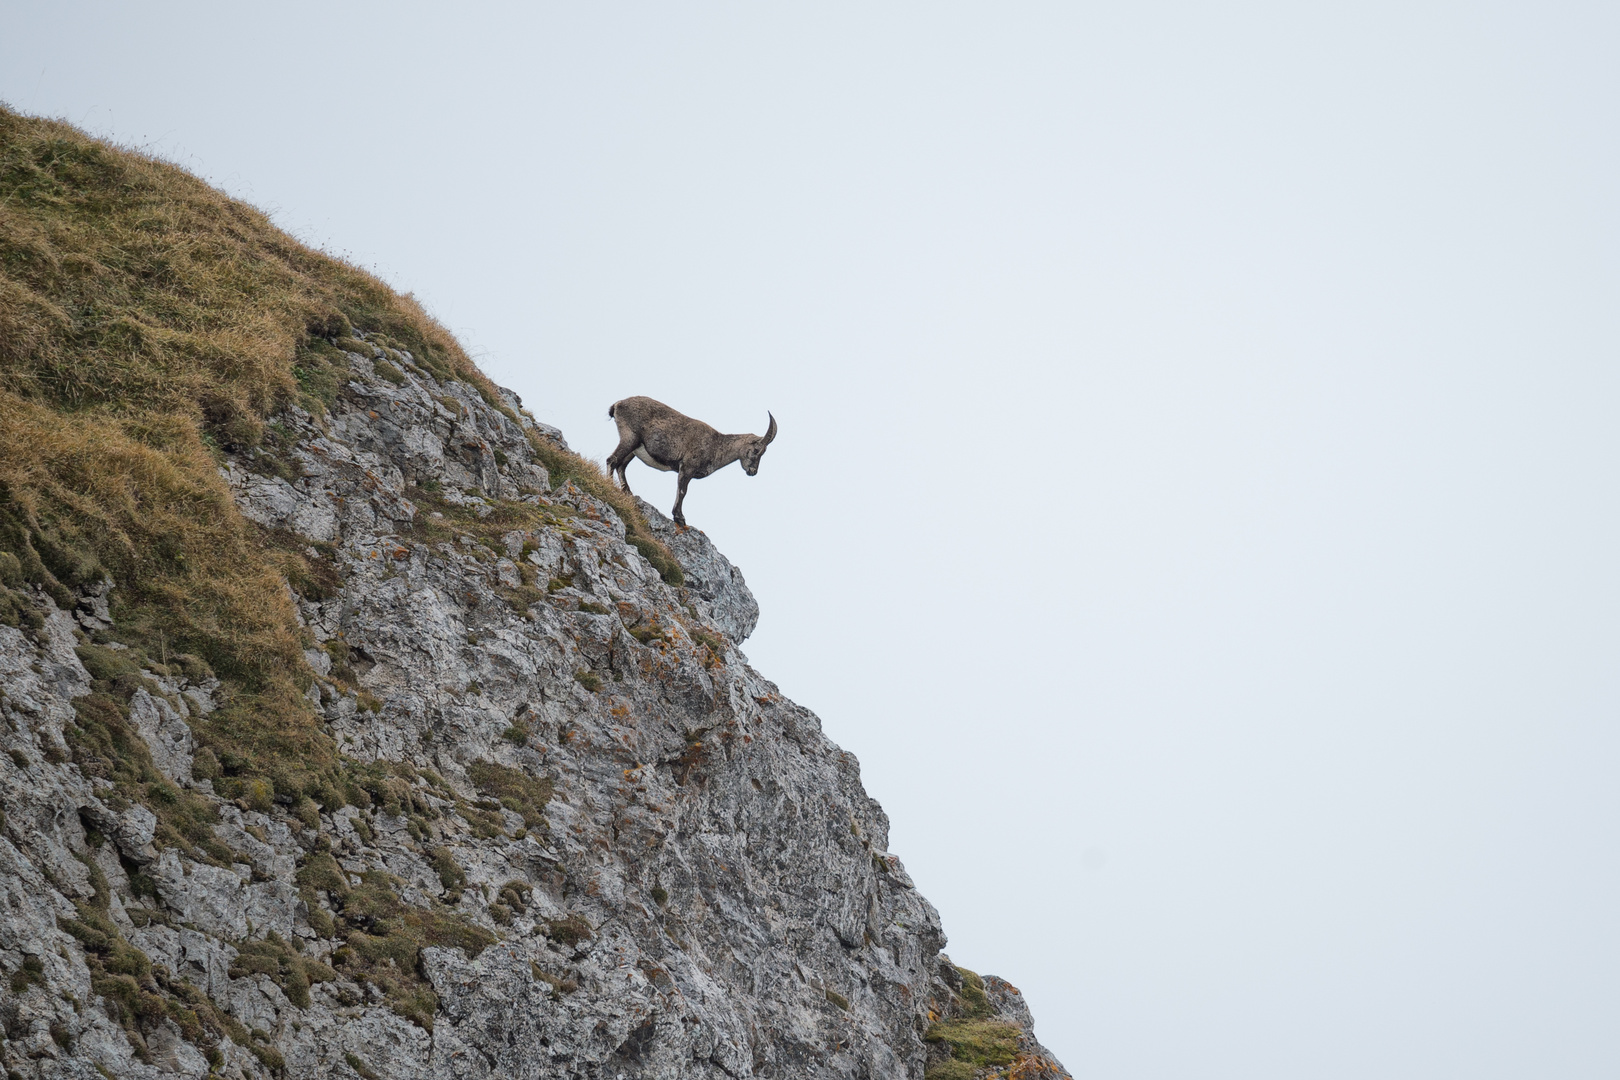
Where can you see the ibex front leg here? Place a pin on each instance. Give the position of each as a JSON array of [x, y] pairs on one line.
[[680, 497]]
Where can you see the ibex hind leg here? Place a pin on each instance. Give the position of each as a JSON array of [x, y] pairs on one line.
[[619, 461]]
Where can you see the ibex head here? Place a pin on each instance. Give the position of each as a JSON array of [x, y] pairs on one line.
[[756, 449]]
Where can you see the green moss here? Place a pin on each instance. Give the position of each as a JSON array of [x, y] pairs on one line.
[[973, 1003], [978, 1043]]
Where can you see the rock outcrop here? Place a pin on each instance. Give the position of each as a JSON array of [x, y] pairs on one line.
[[589, 840]]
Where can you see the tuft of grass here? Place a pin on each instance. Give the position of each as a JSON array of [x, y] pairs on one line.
[[359, 1067], [287, 969], [569, 931], [514, 789]]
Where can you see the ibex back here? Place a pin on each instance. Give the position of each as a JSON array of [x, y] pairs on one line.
[[673, 442]]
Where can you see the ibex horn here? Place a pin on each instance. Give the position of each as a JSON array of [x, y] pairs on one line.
[[770, 432]]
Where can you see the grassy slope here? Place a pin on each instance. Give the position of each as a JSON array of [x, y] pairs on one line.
[[148, 322]]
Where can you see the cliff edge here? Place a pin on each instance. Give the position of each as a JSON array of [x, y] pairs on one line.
[[354, 727]]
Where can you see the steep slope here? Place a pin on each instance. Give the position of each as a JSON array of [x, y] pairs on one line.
[[355, 727]]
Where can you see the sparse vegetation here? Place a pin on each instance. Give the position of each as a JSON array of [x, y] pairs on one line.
[[151, 331], [148, 325], [384, 937], [969, 1036], [140, 996]]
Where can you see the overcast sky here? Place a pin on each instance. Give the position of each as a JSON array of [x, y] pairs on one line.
[[1196, 495]]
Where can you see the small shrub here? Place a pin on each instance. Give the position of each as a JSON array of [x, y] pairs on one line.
[[589, 680]]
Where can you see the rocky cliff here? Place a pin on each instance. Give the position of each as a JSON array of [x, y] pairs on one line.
[[533, 815]]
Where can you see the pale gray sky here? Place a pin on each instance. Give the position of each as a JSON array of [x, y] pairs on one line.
[[1196, 500]]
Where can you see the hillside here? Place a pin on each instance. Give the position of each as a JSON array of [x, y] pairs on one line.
[[356, 727]]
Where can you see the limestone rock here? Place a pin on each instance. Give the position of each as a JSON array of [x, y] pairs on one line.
[[675, 872]]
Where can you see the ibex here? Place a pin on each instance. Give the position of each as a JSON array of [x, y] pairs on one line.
[[673, 442]]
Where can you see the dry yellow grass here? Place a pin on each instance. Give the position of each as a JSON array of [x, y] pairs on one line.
[[147, 321]]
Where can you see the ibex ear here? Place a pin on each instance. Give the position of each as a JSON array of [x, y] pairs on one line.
[[770, 432]]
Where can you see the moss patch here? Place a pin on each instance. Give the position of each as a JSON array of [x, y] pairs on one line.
[[976, 1043]]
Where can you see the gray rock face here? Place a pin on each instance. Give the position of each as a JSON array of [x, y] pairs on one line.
[[716, 586], [709, 893]]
